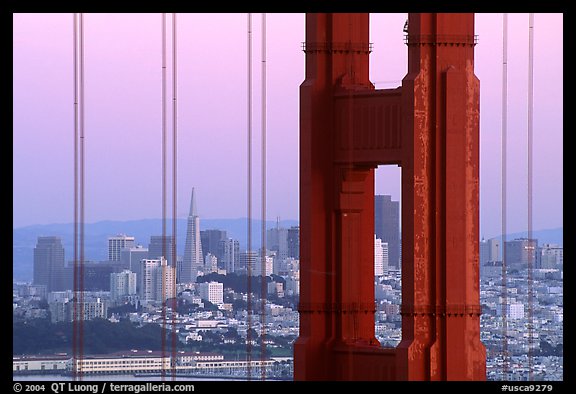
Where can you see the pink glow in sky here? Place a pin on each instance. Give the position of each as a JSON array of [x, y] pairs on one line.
[[123, 114]]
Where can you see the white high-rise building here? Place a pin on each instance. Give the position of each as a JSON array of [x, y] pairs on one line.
[[192, 260], [257, 268], [146, 280], [212, 291], [210, 263], [116, 244], [122, 284], [230, 252], [380, 257], [165, 282], [158, 282], [286, 267], [489, 250], [551, 256]]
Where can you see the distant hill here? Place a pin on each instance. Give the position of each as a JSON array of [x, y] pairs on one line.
[[96, 237], [547, 236]]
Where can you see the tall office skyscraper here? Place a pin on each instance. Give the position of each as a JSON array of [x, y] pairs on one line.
[[210, 240], [49, 263], [155, 247], [130, 259], [96, 275], [519, 251], [277, 240], [116, 244], [294, 242], [193, 248], [247, 261], [387, 226]]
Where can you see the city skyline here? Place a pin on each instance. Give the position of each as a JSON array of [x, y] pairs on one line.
[[42, 65], [548, 307]]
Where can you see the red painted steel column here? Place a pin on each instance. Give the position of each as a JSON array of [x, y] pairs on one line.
[[440, 278], [310, 353], [336, 206]]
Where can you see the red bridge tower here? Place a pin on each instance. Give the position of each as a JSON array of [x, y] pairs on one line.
[[430, 128]]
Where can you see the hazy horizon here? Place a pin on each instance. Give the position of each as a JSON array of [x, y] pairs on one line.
[[254, 228]]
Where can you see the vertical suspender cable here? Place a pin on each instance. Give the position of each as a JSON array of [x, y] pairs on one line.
[[81, 194], [504, 294], [263, 287], [164, 137], [164, 155], [75, 337], [249, 203], [531, 245], [172, 268]]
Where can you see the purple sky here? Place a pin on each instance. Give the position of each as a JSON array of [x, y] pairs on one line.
[[123, 115]]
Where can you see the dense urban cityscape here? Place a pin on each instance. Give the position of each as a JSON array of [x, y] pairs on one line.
[[138, 295]]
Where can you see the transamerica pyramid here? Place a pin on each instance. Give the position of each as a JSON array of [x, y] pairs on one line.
[[192, 260]]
